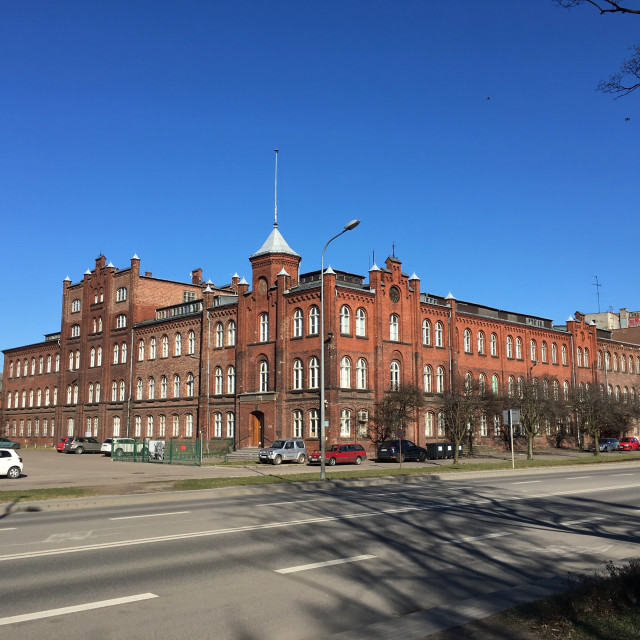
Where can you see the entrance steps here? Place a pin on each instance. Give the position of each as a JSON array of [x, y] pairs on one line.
[[246, 453]]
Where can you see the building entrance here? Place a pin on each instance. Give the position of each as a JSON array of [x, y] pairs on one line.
[[256, 426]]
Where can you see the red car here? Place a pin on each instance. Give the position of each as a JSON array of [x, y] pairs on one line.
[[60, 445], [334, 453], [629, 444]]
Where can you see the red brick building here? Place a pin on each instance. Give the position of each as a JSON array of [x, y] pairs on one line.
[[142, 356]]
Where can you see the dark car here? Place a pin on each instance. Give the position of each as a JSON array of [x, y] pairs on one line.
[[337, 453], [390, 450], [605, 444], [82, 445], [5, 443], [629, 444]]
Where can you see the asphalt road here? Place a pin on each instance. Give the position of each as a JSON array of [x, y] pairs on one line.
[[306, 562]]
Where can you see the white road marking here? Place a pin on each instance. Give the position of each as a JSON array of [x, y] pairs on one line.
[[617, 475], [151, 515], [9, 529], [527, 482], [295, 523], [69, 535], [474, 538], [578, 477], [569, 523], [328, 563], [38, 615]]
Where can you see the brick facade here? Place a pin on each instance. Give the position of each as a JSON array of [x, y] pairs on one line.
[[141, 356]]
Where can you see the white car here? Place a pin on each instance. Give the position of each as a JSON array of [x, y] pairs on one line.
[[10, 463]]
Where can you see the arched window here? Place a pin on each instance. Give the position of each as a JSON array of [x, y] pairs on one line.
[[395, 375], [428, 424], [175, 425], [75, 394], [511, 388], [264, 375], [297, 423], [114, 391], [564, 354], [585, 358], [177, 350], [509, 347], [188, 425], [495, 384], [219, 335], [121, 294], [345, 320], [345, 423], [566, 390], [314, 373], [75, 330], [97, 392], [137, 421], [90, 398], [518, 348], [554, 353], [264, 327], [121, 321], [467, 340], [149, 426], [361, 374], [123, 352], [139, 389], [314, 320], [49, 364], [298, 321], [152, 349], [231, 424], [140, 350], [217, 425], [99, 357], [543, 351], [231, 333], [47, 397], [393, 327], [440, 380], [438, 334], [92, 357], [231, 379], [481, 342], [361, 323], [190, 385], [163, 387], [218, 380], [297, 373], [426, 333], [428, 378], [165, 346], [176, 386], [482, 384], [152, 389], [579, 356], [116, 353], [192, 342], [313, 423], [345, 373], [99, 324], [533, 350], [122, 390]]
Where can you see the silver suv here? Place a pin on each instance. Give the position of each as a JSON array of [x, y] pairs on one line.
[[284, 450]]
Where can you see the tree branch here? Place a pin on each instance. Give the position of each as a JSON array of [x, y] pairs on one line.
[[601, 5]]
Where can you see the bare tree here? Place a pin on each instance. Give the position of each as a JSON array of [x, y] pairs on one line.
[[593, 412], [461, 405], [628, 78], [395, 411]]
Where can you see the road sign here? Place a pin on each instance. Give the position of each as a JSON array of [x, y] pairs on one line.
[[511, 416]]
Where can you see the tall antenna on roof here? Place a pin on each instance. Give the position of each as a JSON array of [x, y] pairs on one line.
[[597, 285], [275, 205]]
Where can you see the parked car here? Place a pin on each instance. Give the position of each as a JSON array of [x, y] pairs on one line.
[[82, 445], [285, 450], [125, 447], [340, 453], [60, 445], [10, 463], [106, 446], [605, 444], [629, 444], [390, 450], [8, 444]]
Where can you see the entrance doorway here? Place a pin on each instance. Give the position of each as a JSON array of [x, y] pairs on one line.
[[256, 426]]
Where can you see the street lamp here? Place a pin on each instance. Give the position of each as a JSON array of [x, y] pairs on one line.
[[351, 225]]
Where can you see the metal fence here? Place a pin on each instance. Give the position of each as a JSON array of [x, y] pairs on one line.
[[171, 451]]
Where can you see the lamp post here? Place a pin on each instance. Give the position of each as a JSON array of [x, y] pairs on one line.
[[351, 225]]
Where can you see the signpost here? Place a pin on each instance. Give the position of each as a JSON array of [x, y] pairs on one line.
[[511, 417]]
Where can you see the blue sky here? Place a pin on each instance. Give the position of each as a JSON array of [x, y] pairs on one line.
[[467, 133]]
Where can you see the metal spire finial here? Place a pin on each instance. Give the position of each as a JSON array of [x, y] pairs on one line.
[[275, 205]]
